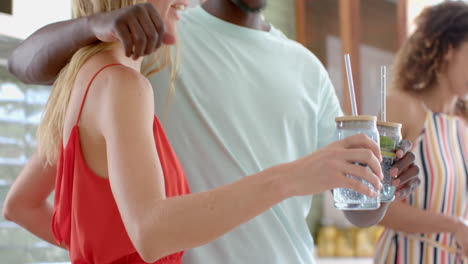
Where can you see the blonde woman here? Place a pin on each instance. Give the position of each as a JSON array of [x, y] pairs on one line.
[[430, 90], [120, 193]]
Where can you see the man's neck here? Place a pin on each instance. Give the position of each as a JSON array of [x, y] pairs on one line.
[[227, 11]]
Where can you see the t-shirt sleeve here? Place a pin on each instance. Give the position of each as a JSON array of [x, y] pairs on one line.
[[329, 109]]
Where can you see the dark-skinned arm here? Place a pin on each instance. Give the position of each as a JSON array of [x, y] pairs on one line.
[[39, 59], [406, 179]]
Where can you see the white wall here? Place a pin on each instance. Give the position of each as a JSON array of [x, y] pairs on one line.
[[30, 15]]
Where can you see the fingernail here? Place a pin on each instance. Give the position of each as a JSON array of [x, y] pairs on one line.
[[168, 39], [399, 154], [394, 172]]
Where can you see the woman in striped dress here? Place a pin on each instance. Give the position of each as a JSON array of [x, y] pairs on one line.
[[429, 98]]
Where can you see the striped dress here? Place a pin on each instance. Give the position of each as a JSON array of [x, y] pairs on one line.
[[442, 155]]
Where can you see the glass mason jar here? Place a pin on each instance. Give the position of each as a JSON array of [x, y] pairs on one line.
[[390, 138], [347, 199]]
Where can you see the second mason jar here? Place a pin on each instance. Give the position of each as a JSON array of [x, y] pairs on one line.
[[347, 199], [390, 137]]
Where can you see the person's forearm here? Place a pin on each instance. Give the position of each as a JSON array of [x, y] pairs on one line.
[[36, 220], [192, 220], [26, 202], [39, 59], [366, 218], [405, 218]]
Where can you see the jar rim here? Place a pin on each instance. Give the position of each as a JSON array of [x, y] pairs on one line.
[[356, 118], [389, 124]]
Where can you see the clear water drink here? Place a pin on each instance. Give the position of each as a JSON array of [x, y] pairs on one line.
[[347, 199], [390, 138]]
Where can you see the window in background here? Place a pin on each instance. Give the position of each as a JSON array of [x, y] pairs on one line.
[[20, 111]]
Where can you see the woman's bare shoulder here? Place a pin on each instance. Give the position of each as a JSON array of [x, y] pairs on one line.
[[117, 92], [404, 108], [111, 77], [122, 83]]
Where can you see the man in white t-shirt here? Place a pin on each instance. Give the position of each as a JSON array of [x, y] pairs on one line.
[[246, 98]]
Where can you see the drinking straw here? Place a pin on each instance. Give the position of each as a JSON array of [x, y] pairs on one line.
[[349, 74], [383, 93]]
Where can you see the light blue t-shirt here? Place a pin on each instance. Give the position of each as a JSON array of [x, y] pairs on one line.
[[246, 100]]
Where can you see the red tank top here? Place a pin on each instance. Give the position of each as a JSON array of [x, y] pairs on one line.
[[86, 218]]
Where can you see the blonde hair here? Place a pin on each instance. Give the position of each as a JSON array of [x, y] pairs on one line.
[[50, 130]]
